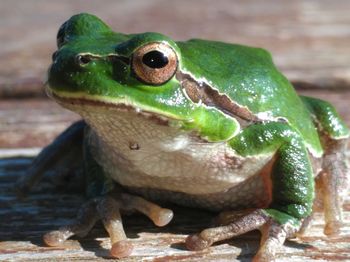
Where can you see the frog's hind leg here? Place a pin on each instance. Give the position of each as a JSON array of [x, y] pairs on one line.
[[105, 208], [111, 218], [86, 218], [273, 234], [291, 188], [62, 156], [109, 209], [332, 182], [331, 187]]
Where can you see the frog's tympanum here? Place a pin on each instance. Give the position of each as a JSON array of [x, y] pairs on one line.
[[198, 123]]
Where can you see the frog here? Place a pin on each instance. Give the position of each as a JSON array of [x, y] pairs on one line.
[[198, 123]]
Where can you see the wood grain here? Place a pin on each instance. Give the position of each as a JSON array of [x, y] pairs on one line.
[[23, 222]]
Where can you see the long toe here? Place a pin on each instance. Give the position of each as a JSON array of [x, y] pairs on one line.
[[121, 249], [196, 242], [163, 217], [54, 238]]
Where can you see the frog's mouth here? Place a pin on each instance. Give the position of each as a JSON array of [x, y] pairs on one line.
[[82, 103]]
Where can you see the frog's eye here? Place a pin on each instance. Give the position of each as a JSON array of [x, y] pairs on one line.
[[154, 63]]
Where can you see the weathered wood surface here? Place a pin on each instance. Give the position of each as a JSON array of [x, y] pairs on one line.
[[46, 208], [310, 42]]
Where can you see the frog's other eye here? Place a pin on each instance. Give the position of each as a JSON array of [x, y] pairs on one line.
[[154, 63], [60, 39]]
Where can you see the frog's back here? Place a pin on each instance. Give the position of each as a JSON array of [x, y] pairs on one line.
[[249, 78]]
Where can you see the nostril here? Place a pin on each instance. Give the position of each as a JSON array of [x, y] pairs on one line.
[[83, 59]]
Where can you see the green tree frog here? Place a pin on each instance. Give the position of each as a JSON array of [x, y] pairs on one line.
[[198, 123]]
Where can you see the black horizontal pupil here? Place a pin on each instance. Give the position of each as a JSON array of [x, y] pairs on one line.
[[155, 59]]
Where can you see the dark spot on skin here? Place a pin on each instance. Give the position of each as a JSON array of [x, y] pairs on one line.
[[134, 146]]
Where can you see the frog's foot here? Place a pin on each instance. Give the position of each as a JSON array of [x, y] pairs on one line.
[[107, 209], [306, 225], [273, 233]]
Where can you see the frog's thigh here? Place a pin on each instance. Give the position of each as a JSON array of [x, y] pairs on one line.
[[292, 189], [63, 156], [333, 181], [291, 175]]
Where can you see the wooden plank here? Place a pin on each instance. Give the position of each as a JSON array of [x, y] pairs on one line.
[[23, 222], [31, 122]]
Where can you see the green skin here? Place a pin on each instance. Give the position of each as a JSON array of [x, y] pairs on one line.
[[246, 75]]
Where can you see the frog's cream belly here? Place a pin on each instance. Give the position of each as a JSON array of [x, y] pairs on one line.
[[251, 193], [138, 152]]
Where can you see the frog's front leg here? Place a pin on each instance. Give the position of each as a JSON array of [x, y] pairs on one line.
[[108, 208], [292, 190], [107, 202]]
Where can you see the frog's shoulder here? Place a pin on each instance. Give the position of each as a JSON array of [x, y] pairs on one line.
[[249, 78]]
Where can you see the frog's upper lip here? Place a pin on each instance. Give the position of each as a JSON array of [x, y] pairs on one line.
[[82, 101], [120, 106]]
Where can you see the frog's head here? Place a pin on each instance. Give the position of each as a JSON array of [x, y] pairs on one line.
[[95, 67]]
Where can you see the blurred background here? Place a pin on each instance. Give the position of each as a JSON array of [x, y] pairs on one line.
[[309, 40]]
